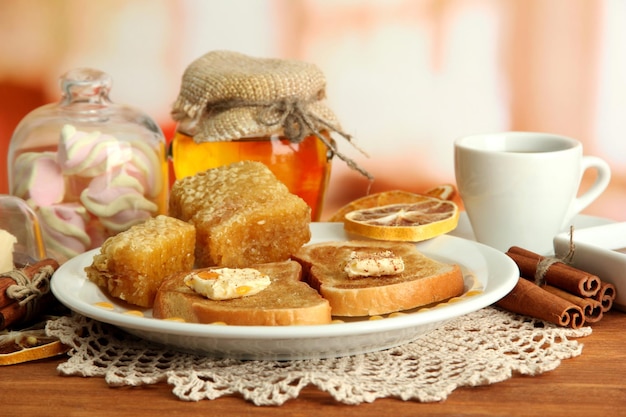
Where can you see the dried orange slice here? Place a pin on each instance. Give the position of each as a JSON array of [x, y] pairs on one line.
[[412, 222], [443, 192], [17, 346]]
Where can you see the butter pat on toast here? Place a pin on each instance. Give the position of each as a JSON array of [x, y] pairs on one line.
[[286, 301], [421, 280]]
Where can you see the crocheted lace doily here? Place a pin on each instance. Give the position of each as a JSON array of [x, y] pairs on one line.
[[480, 348]]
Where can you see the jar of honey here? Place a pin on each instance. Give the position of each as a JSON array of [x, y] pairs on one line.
[[303, 167], [88, 167], [233, 107]]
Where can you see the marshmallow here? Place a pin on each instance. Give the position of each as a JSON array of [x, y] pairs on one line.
[[38, 179], [117, 200], [147, 168], [63, 229], [93, 187], [89, 154]]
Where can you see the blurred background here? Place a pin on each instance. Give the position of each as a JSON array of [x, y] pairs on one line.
[[405, 77]]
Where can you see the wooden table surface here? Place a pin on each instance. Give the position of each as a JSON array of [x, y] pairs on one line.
[[593, 384]]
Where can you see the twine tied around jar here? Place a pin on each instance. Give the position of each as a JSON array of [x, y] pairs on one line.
[[227, 96], [297, 122]]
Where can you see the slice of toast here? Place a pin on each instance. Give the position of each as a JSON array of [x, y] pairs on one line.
[[287, 301], [424, 280]]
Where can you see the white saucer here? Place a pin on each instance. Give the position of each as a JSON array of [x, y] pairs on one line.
[[582, 221]]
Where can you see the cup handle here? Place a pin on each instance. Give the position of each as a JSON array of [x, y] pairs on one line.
[[602, 181]]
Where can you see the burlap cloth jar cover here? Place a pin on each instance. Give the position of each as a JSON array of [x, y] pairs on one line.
[[227, 96]]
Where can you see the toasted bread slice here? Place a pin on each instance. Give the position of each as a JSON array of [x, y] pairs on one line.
[[131, 265], [287, 301], [424, 280]]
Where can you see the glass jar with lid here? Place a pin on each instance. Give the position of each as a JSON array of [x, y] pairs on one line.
[[88, 167], [233, 107]]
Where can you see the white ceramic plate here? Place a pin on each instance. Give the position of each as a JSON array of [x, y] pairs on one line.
[[489, 275]]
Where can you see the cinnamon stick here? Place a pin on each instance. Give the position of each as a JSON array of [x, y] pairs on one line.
[[606, 295], [558, 274], [532, 300], [592, 309], [5, 282], [11, 313], [13, 310]]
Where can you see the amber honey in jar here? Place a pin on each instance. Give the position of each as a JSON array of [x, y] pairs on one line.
[[303, 167], [232, 107]]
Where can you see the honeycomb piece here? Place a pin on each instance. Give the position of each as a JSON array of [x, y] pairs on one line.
[[243, 215], [131, 265]]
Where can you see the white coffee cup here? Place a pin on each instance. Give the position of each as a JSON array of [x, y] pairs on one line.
[[520, 188]]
